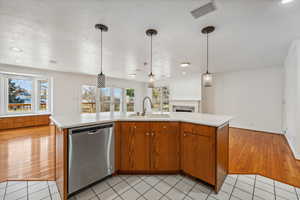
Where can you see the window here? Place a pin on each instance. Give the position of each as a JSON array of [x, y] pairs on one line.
[[43, 98], [129, 99], [156, 99], [165, 99], [112, 100], [160, 99], [118, 97], [24, 94], [19, 95], [88, 99], [105, 99]]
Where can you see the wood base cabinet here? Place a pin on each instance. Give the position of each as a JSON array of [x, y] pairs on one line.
[[204, 152], [135, 147], [170, 147], [149, 147], [198, 152], [164, 147]]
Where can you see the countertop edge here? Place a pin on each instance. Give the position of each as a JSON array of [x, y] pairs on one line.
[[141, 120]]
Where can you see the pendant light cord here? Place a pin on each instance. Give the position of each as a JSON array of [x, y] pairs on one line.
[[101, 51], [151, 55], [207, 53]]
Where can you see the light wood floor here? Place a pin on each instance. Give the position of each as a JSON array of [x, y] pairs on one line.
[[262, 153], [28, 154]]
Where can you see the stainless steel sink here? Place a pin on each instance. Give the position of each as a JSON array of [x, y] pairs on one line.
[[149, 116]]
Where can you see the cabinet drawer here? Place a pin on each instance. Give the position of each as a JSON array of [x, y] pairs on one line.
[[198, 129], [203, 130]]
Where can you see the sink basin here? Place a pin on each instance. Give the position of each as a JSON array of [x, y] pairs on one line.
[[150, 116]]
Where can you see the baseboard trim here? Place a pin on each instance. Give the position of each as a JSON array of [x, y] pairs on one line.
[[254, 130], [291, 148]]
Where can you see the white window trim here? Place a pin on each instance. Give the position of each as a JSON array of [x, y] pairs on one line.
[[37, 93], [4, 76]]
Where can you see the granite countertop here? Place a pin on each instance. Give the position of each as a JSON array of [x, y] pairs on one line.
[[71, 121]]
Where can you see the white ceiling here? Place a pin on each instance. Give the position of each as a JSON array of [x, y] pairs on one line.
[[249, 34]]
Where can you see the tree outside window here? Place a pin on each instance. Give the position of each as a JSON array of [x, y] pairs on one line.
[[88, 99], [129, 100], [19, 95]]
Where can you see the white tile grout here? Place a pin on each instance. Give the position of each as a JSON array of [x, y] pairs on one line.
[[163, 194]]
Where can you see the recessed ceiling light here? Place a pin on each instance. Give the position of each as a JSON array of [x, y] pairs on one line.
[[286, 1], [16, 49], [185, 64], [183, 73], [132, 75], [18, 60]]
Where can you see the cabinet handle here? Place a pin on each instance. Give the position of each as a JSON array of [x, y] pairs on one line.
[[184, 135], [147, 134], [152, 133], [134, 126], [164, 127]]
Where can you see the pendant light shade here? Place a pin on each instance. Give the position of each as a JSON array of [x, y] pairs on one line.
[[207, 77], [150, 33], [151, 81], [101, 76], [101, 80]]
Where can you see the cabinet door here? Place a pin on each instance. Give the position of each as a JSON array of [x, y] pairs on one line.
[[204, 159], [135, 141], [164, 146], [198, 153], [188, 153]]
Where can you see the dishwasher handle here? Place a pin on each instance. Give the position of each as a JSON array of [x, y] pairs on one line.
[[92, 132], [91, 129]]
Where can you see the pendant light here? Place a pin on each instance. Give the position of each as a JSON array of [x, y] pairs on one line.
[[150, 33], [101, 76], [207, 77]]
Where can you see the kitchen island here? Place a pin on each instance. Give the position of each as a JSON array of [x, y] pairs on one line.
[[191, 143]]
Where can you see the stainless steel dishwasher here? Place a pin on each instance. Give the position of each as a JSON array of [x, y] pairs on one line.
[[91, 155]]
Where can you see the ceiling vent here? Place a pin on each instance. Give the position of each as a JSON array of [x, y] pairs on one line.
[[208, 7]]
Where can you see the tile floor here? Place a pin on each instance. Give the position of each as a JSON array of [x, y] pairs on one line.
[[157, 187], [177, 187], [29, 190]]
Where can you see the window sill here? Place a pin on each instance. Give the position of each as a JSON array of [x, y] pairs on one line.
[[24, 114]]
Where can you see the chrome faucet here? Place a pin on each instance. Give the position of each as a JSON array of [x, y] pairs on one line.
[[144, 100]]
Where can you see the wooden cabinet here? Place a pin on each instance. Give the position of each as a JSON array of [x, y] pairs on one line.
[[198, 151], [164, 146], [135, 146], [23, 121], [149, 147], [157, 147]]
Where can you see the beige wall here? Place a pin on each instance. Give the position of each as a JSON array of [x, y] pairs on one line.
[[253, 97]]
